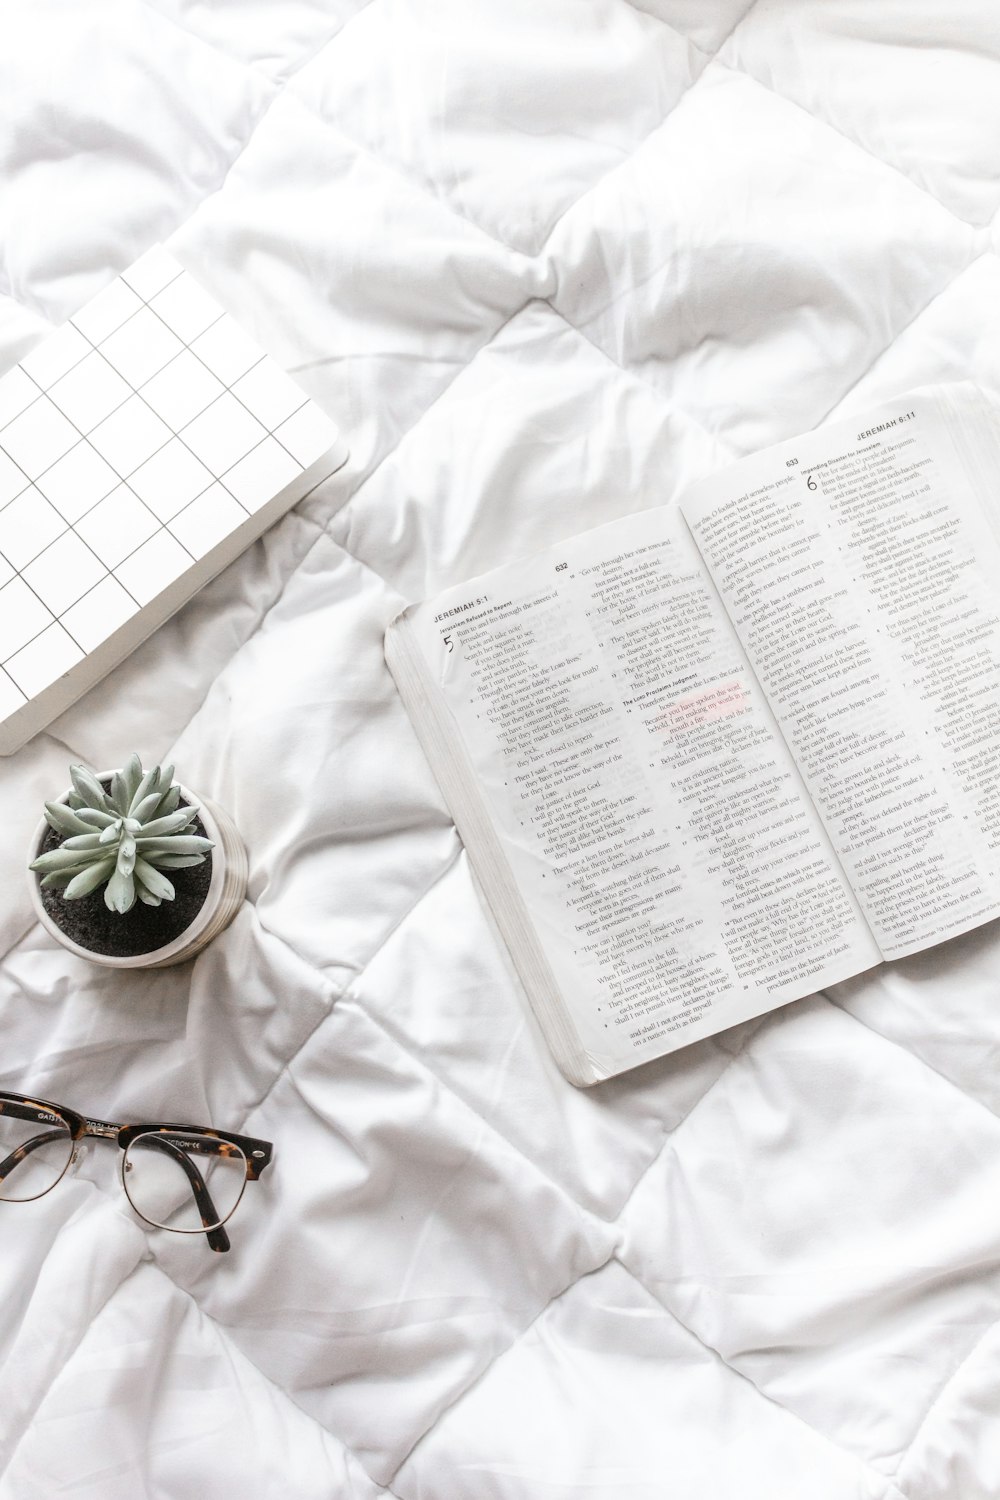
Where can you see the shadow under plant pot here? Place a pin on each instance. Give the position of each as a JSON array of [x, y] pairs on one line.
[[207, 896]]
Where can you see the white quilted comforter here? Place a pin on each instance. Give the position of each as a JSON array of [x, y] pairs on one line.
[[545, 261]]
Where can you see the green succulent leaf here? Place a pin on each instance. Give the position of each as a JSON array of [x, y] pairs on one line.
[[169, 801], [88, 880], [120, 893], [178, 843], [175, 822], [126, 856], [147, 786], [131, 774], [64, 859], [84, 841], [95, 818], [144, 810], [88, 788], [63, 819], [150, 879]]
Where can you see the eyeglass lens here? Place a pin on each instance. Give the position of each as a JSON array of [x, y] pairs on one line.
[[34, 1153], [177, 1182]]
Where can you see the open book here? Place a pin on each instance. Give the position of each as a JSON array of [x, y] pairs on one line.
[[709, 759]]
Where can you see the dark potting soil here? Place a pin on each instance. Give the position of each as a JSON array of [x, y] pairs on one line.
[[141, 930]]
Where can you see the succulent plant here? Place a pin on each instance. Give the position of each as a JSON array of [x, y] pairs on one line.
[[123, 838]]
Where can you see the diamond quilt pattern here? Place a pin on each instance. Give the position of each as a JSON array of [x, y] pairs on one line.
[[545, 264]]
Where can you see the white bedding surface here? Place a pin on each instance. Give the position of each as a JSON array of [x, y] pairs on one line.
[[545, 262]]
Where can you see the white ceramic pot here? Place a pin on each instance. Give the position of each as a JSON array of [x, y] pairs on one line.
[[225, 893]]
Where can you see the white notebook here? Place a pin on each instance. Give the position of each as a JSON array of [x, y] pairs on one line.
[[143, 446]]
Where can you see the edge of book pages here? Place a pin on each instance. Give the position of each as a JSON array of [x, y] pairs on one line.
[[503, 902]]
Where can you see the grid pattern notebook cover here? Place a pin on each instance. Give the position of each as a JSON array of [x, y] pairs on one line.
[[143, 446]]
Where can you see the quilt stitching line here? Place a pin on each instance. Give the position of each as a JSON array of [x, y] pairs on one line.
[[970, 1352], [753, 1026], [706, 52], [208, 192], [366, 479], [357, 495], [400, 169], [225, 1336], [865, 1465], [586, 1215], [296, 65], [478, 1380], [938, 1398], [649, 385], [207, 42], [914, 1057], [995, 1119], [303, 60], [739, 72], [736, 67], [277, 88], [340, 993], [404, 1045], [358, 970], [45, 1392], [350, 992], [975, 258]]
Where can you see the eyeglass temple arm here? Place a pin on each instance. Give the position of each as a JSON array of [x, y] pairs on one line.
[[217, 1238], [20, 1152]]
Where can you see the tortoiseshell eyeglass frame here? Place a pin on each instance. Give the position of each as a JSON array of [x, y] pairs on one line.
[[198, 1138]]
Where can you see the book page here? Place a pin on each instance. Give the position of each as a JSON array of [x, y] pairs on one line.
[[677, 877], [861, 575]]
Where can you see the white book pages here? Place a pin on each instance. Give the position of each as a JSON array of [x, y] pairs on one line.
[[627, 800], [858, 565]]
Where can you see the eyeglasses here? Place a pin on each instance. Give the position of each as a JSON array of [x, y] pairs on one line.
[[164, 1185]]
